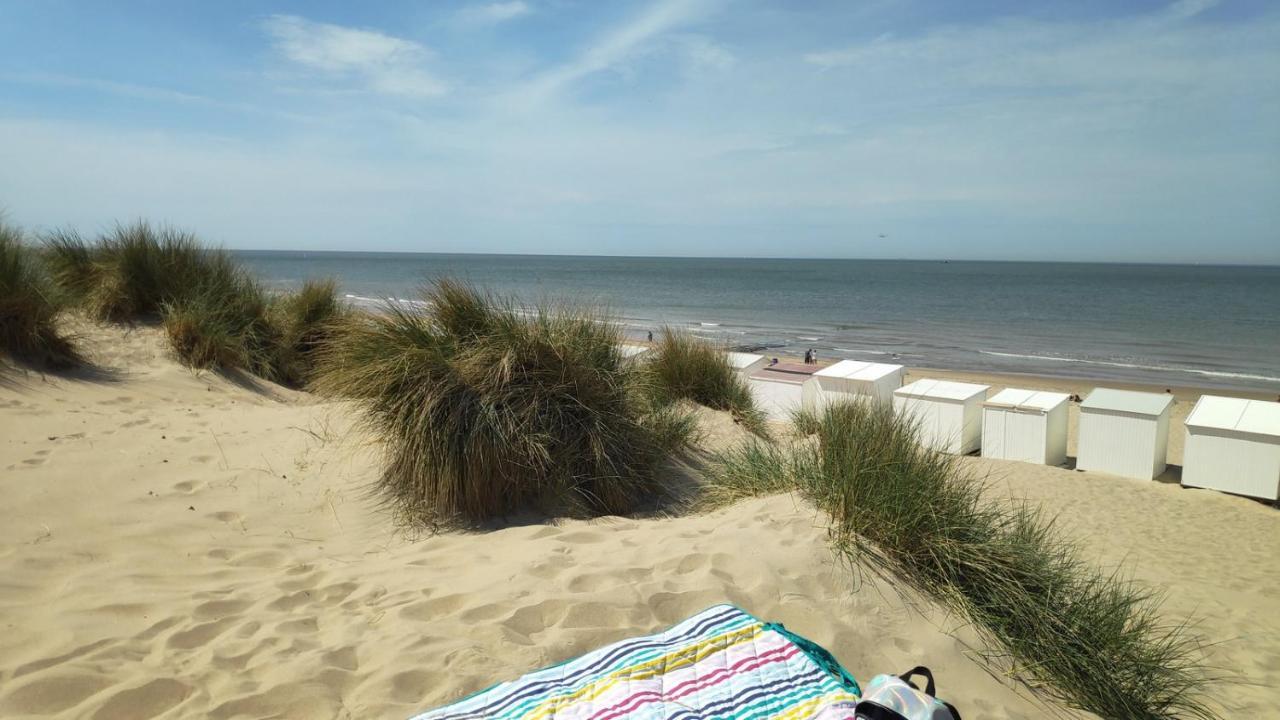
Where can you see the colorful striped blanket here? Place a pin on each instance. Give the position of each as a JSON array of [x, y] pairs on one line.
[[720, 663]]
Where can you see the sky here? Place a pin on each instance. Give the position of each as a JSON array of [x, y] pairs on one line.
[[1091, 130]]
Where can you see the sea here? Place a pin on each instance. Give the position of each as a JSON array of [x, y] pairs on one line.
[[1209, 326]]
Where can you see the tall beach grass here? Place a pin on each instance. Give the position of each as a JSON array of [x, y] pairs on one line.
[[682, 366], [215, 314], [1081, 637], [30, 304], [487, 411]]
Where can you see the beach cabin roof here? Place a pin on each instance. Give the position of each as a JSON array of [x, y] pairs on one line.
[[784, 372], [1253, 417], [1127, 401], [858, 370], [942, 390], [1019, 399], [740, 360]]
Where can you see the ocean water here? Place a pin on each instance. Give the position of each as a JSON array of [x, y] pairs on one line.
[[1213, 326]]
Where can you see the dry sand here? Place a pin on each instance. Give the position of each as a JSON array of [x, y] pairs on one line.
[[184, 546]]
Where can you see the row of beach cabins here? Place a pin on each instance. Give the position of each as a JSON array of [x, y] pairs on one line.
[[1232, 444]]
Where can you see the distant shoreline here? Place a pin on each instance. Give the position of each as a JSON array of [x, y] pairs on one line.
[[1158, 325], [764, 258]]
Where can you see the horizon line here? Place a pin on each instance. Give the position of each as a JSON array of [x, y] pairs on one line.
[[941, 260]]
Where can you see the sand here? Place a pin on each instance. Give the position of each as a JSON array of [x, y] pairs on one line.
[[183, 546]]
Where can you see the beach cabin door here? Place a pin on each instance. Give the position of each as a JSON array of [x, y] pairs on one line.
[[994, 442]]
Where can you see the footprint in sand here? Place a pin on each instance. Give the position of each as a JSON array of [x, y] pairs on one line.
[[301, 626], [149, 700], [49, 695], [285, 603], [483, 613], [428, 610], [535, 618], [199, 635], [38, 665], [343, 659], [410, 685], [216, 609]]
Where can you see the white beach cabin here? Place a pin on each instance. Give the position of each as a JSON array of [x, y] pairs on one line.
[[1026, 425], [779, 389], [1233, 445], [746, 363], [949, 413], [1124, 433], [852, 379]]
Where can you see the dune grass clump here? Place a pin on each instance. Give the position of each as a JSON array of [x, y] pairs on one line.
[[225, 325], [215, 315], [305, 320], [1089, 640], [30, 304], [684, 367], [135, 271], [488, 411]]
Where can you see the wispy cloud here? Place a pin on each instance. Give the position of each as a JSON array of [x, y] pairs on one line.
[[381, 62], [493, 13], [1183, 9], [674, 128], [619, 44]]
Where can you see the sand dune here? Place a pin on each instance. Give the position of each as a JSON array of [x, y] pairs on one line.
[[180, 546]]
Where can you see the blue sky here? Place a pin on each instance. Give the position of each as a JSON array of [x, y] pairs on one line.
[[1093, 130]]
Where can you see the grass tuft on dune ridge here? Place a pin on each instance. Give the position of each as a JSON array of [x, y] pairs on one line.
[[135, 270], [30, 303], [1080, 637], [305, 319], [488, 410], [684, 367], [215, 314]]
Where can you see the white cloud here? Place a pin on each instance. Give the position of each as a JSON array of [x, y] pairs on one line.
[[1129, 138], [493, 13], [623, 42], [1183, 9], [384, 63]]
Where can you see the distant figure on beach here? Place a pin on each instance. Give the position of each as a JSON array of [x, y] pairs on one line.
[[807, 355], [1168, 391], [813, 356], [773, 362], [650, 336]]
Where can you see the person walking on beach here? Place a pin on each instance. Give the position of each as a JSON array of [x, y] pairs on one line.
[[650, 336], [813, 356], [807, 354]]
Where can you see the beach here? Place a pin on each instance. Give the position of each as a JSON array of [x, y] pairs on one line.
[[185, 545]]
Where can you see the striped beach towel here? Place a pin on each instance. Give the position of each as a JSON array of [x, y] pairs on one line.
[[720, 663]]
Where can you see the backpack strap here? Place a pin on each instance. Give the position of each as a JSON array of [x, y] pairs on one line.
[[930, 689]]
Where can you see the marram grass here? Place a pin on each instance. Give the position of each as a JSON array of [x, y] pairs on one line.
[[30, 304], [215, 314], [487, 411], [681, 366], [1083, 638]]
